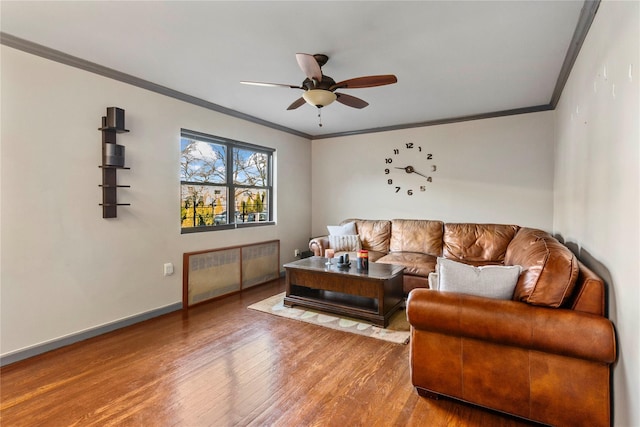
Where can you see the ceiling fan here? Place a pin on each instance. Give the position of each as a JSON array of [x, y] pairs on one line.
[[320, 90]]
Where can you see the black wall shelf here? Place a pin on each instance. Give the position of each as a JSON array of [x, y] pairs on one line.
[[114, 129], [112, 160]]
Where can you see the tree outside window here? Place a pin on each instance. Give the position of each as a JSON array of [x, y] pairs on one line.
[[224, 183]]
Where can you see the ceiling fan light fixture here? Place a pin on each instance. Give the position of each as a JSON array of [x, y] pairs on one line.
[[319, 97]]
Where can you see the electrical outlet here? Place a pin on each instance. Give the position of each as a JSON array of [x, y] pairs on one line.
[[296, 253], [168, 269]]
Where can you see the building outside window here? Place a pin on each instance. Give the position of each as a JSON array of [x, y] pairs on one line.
[[224, 183]]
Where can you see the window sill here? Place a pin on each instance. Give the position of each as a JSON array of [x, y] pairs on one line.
[[191, 230]]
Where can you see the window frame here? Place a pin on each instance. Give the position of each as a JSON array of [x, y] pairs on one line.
[[231, 187]]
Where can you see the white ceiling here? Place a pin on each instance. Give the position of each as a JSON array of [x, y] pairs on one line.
[[452, 58]]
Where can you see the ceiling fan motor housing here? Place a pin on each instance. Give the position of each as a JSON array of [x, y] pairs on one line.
[[325, 83]]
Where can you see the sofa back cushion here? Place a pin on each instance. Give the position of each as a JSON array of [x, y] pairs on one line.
[[477, 243], [421, 236], [549, 269], [374, 234]]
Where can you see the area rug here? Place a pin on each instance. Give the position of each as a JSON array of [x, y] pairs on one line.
[[397, 331]]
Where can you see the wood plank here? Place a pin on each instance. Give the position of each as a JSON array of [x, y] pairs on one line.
[[221, 364]]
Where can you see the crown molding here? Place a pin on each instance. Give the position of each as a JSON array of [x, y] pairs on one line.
[[587, 15]]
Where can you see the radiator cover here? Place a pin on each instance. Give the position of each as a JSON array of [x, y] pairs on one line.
[[212, 273]]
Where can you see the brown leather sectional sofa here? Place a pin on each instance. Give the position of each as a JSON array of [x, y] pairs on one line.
[[544, 355]]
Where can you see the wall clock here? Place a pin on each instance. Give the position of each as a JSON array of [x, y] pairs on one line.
[[409, 169]]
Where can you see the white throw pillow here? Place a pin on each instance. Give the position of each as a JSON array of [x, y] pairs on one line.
[[433, 281], [490, 281], [350, 243], [348, 229]]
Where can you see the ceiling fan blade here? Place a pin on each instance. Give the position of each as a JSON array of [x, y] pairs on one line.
[[366, 81], [350, 101], [270, 84], [309, 66], [297, 103]]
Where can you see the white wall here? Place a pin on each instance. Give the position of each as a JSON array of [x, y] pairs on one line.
[[65, 269], [597, 179], [497, 170]]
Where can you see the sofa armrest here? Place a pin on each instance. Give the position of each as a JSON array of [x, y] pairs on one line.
[[317, 245], [513, 323]]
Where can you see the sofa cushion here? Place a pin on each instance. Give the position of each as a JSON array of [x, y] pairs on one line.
[[347, 243], [416, 264], [489, 281], [477, 243], [423, 236], [374, 256], [550, 269], [374, 234], [344, 229]]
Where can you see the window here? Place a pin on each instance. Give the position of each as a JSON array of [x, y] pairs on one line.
[[223, 183]]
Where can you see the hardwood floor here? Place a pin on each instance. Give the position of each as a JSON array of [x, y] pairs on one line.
[[221, 364]]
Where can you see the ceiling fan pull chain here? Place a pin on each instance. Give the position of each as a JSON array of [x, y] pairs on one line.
[[319, 117]]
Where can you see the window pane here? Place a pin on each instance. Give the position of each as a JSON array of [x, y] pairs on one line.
[[250, 168], [202, 161], [203, 205], [223, 182], [251, 205]]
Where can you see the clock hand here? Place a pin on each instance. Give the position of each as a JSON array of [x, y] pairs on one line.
[[421, 174], [408, 169]]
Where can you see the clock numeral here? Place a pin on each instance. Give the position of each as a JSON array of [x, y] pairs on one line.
[[397, 189], [429, 156], [387, 171], [409, 144], [389, 181], [429, 179], [419, 148], [396, 151], [388, 160], [434, 168], [410, 192], [423, 188]]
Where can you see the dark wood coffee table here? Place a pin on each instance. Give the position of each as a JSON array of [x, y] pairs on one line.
[[372, 295]]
